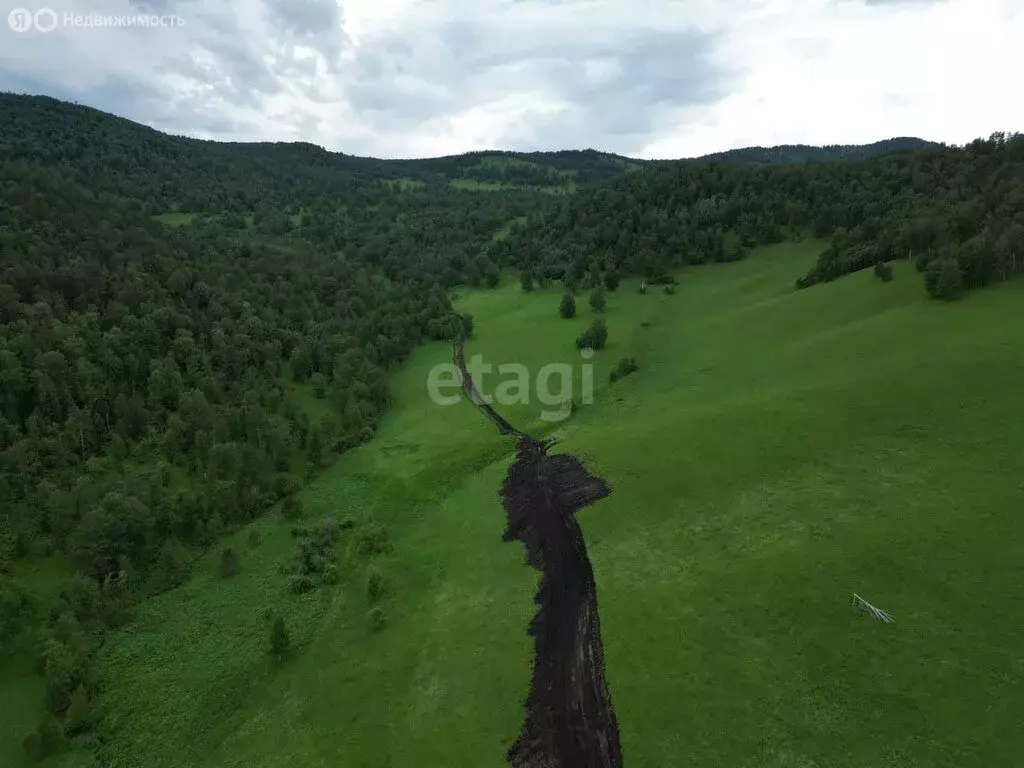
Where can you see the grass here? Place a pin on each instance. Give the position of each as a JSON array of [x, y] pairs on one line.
[[776, 452], [476, 185], [176, 219], [505, 230]]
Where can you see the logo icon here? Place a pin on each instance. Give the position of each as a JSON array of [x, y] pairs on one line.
[[45, 20], [20, 20]]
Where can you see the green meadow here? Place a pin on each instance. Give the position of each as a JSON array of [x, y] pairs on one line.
[[776, 452]]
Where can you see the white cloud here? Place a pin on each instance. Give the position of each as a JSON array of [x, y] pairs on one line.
[[655, 78], [846, 72]]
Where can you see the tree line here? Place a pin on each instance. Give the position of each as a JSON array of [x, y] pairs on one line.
[[938, 204]]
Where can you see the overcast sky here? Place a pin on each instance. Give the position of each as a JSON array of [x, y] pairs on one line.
[[647, 78]]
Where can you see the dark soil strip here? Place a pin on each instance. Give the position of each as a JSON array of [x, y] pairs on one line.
[[569, 718]]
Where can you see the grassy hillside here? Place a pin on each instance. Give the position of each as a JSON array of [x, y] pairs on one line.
[[776, 452]]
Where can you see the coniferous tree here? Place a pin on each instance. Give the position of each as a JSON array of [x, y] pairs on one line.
[[79, 715], [945, 279], [595, 337], [567, 309]]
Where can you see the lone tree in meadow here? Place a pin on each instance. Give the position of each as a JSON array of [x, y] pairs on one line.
[[595, 337], [883, 271], [279, 640], [374, 585], [567, 309], [597, 300], [611, 279]]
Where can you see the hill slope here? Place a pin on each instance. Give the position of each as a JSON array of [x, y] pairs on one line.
[[962, 208], [776, 452]]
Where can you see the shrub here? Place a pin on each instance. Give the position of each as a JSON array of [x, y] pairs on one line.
[[883, 271], [374, 540], [327, 532], [255, 538], [597, 300], [611, 280], [80, 714], [311, 558], [626, 366], [330, 574], [301, 584], [670, 290], [378, 619], [465, 330], [279, 640], [374, 585], [64, 670], [228, 563], [567, 309], [595, 337], [737, 253]]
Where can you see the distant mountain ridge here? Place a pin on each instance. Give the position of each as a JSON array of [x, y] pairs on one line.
[[793, 154], [126, 158]]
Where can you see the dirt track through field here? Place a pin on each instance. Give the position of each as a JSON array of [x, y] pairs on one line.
[[570, 722]]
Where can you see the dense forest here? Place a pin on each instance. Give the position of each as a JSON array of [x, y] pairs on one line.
[[154, 378], [793, 154], [163, 173], [958, 209], [169, 306]]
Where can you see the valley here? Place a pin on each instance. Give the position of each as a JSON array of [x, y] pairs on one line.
[[776, 452]]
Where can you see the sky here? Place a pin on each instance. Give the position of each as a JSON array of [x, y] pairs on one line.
[[418, 78]]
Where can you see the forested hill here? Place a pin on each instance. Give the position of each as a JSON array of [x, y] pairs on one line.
[[958, 212], [789, 154], [164, 173]]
